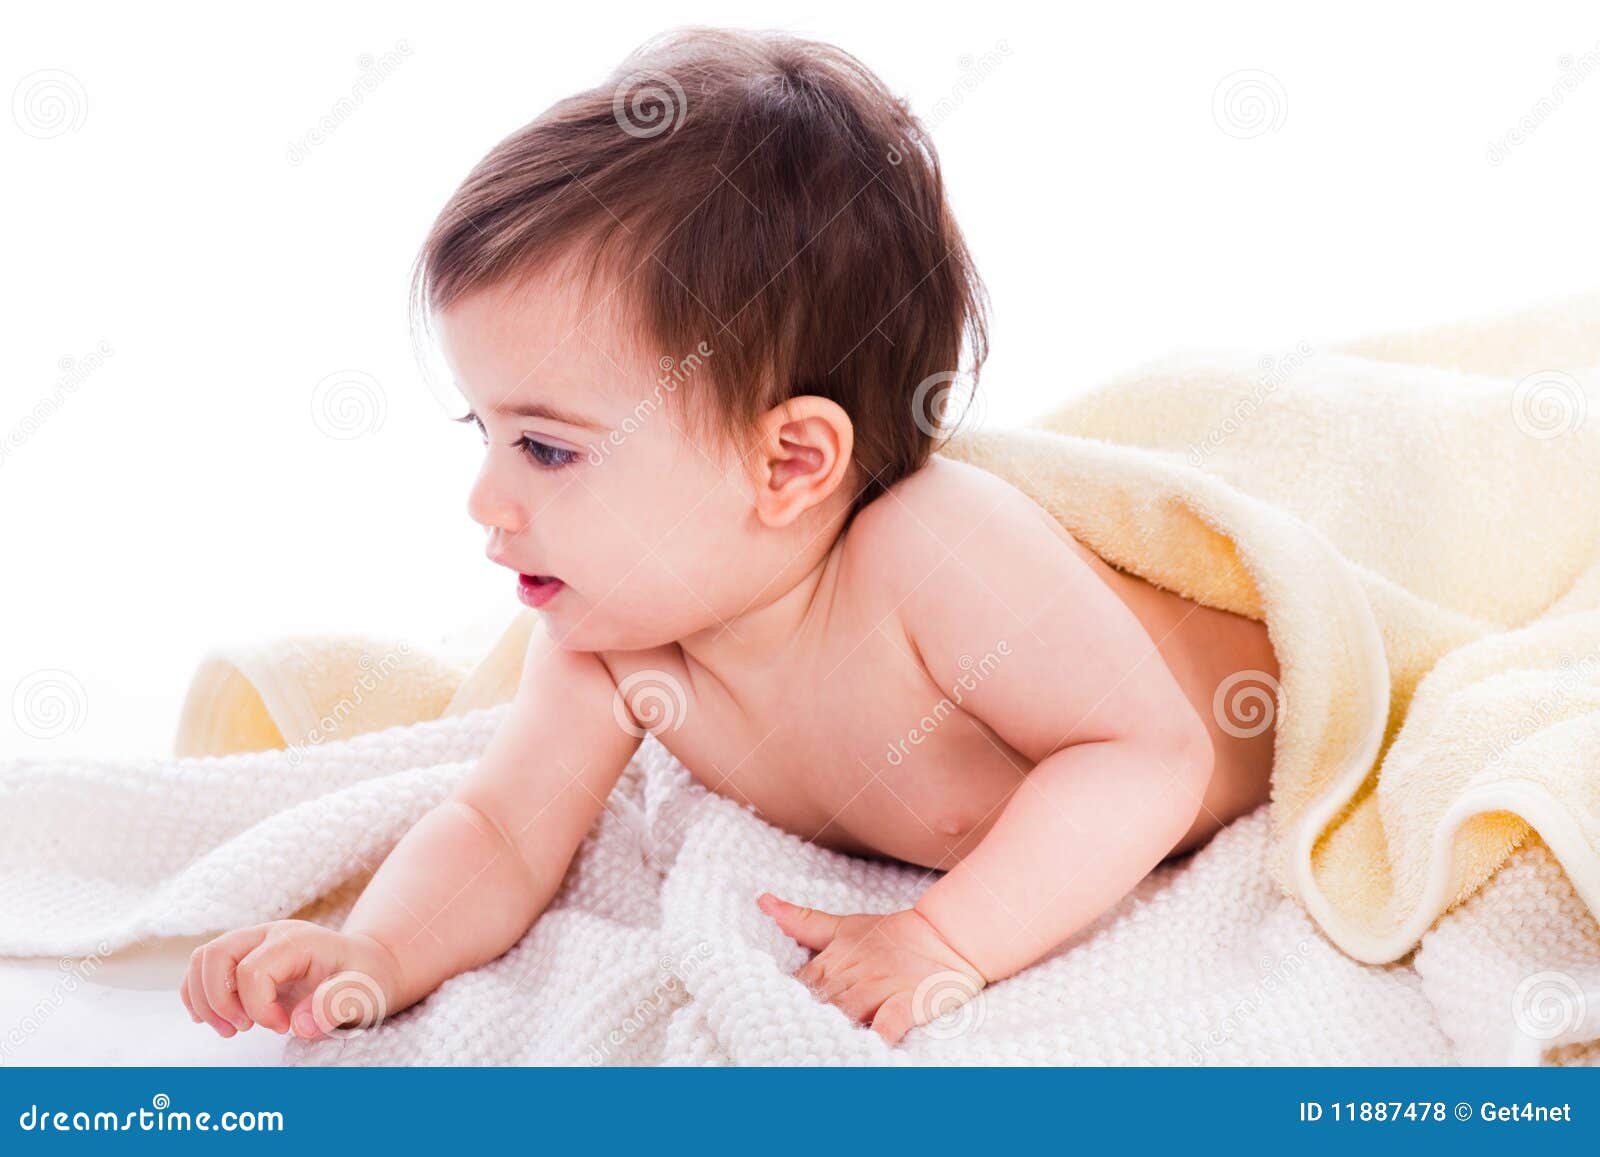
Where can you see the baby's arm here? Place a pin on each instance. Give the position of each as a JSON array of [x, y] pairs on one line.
[[1114, 765], [468, 880], [462, 885], [1121, 758], [1087, 824]]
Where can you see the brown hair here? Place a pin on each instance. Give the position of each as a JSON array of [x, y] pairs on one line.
[[764, 194]]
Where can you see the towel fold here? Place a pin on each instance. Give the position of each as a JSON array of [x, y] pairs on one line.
[[1417, 520], [299, 692]]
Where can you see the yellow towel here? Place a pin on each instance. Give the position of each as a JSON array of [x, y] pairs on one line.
[[301, 691], [1416, 517]]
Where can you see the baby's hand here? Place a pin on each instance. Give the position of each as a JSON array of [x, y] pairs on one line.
[[893, 971], [257, 975]]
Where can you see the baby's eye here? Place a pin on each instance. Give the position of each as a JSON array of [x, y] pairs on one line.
[[541, 454], [469, 416]]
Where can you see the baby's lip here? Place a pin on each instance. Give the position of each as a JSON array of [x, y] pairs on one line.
[[537, 590]]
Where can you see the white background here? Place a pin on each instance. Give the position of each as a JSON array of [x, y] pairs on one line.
[[181, 495]]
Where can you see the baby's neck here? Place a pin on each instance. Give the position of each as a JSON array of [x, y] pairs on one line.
[[776, 618]]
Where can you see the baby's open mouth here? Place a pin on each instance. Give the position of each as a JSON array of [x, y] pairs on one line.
[[538, 589]]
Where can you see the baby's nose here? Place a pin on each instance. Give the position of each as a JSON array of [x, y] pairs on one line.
[[493, 508]]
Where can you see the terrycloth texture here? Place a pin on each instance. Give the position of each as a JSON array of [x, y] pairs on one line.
[[1524, 944], [654, 950], [1422, 538]]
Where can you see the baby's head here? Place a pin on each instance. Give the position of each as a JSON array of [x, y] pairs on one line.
[[704, 312]]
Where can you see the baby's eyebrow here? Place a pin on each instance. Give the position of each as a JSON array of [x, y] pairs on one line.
[[540, 410]]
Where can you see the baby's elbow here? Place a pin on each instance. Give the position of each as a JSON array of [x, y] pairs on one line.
[[1187, 747]]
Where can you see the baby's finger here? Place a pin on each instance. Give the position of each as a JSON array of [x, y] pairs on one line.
[[304, 1021], [813, 972], [183, 993], [837, 981], [197, 1001], [811, 927], [861, 999], [278, 960], [343, 1003], [218, 960], [894, 1018]]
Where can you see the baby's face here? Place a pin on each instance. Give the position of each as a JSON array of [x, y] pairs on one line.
[[598, 483]]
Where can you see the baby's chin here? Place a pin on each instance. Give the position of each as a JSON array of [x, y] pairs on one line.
[[584, 629]]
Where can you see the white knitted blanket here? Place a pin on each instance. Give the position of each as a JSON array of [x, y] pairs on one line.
[[655, 953]]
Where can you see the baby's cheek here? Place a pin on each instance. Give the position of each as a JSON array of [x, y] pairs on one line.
[[636, 615]]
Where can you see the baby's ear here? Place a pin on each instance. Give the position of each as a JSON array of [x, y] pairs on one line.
[[802, 457]]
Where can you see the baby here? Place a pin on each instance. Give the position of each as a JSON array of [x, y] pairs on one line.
[[706, 317]]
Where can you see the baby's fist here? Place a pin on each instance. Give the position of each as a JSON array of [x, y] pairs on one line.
[[892, 972], [289, 974]]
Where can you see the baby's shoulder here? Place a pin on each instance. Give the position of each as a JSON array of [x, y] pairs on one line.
[[949, 511], [973, 572]]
